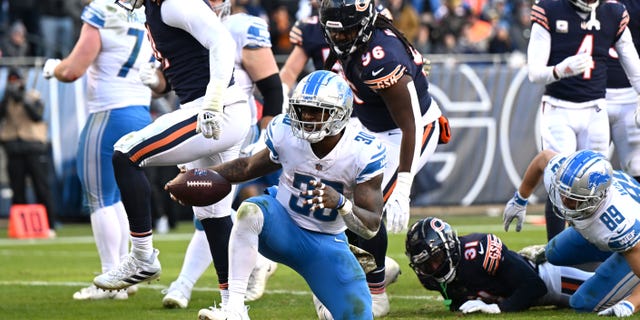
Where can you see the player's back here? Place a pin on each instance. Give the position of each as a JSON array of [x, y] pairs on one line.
[[385, 62], [572, 33], [358, 157], [112, 80]]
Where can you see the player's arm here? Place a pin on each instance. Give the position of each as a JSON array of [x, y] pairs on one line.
[[367, 206], [81, 57], [516, 273], [629, 58], [538, 55], [296, 61], [633, 259], [197, 18], [247, 168], [261, 66], [534, 173]]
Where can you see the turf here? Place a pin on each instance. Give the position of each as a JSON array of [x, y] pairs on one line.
[[38, 278]]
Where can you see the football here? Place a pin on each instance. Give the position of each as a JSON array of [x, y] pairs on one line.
[[199, 187]]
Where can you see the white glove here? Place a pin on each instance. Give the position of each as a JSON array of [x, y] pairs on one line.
[[621, 309], [254, 147], [479, 306], [49, 68], [516, 208], [148, 75], [573, 65], [210, 117], [397, 206]]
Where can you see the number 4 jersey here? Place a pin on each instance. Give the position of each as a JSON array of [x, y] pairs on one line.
[[357, 158], [615, 225]]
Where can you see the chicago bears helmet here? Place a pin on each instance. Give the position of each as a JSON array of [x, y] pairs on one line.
[[331, 95], [347, 24], [581, 184], [585, 5], [433, 249]]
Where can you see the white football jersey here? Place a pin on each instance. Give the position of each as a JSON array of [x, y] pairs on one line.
[[358, 157], [615, 226], [112, 79], [248, 32]]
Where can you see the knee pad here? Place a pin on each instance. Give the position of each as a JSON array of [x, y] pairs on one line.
[[249, 216]]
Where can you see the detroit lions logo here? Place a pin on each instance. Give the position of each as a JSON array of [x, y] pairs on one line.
[[597, 179]]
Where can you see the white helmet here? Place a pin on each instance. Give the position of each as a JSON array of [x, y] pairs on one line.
[[581, 184], [324, 90]]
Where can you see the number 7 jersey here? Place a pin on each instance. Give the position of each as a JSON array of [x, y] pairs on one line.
[[357, 158]]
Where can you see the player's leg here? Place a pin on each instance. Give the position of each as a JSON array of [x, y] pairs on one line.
[[625, 135], [613, 281], [562, 282], [197, 259], [569, 248]]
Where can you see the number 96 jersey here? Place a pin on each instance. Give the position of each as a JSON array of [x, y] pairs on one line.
[[615, 225], [357, 158]]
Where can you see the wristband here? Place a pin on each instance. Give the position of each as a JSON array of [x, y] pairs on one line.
[[519, 199], [346, 208], [341, 202]]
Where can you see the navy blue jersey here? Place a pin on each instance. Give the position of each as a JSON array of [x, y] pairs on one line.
[[616, 78], [490, 271], [383, 63], [570, 36], [185, 62], [307, 33]]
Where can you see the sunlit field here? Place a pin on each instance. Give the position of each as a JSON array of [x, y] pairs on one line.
[[38, 278]]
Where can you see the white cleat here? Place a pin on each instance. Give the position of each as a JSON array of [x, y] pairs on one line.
[[176, 296], [380, 305], [322, 311], [132, 290], [391, 271], [213, 313], [258, 280], [94, 293], [130, 271]]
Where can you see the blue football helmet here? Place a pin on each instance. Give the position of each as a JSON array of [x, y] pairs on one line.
[[347, 24], [581, 184], [331, 95], [433, 249]]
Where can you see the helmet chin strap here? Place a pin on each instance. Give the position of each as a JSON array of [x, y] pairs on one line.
[[593, 23]]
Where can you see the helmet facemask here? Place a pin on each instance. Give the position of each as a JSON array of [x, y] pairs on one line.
[[130, 5], [433, 249], [347, 25], [222, 10]]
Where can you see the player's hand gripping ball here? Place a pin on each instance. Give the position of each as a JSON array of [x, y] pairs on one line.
[[198, 187]]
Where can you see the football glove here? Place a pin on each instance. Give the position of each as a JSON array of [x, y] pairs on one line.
[[148, 75], [516, 208], [210, 117], [49, 68], [621, 309], [397, 206], [479, 306], [573, 65]]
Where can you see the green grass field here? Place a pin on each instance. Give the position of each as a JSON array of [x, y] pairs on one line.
[[38, 278]]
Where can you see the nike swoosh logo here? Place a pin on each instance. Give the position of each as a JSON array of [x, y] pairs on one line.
[[481, 251], [376, 72], [338, 240]]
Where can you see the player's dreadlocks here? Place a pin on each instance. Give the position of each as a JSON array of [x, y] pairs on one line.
[[380, 22]]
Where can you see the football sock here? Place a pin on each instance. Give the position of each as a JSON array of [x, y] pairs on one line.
[[135, 192], [197, 258], [123, 221], [218, 231], [104, 222]]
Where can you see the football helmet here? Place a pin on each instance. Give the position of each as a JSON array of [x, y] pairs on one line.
[[130, 4], [581, 184], [332, 97], [222, 9], [433, 249], [585, 5], [347, 24]]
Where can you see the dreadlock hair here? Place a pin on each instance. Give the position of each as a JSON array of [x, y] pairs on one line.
[[380, 22]]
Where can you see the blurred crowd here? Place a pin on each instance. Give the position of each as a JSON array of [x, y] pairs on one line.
[[49, 28]]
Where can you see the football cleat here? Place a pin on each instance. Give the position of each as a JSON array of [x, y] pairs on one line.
[[258, 280], [177, 295], [130, 271], [94, 293], [391, 271], [322, 311], [132, 290], [380, 305], [213, 313]]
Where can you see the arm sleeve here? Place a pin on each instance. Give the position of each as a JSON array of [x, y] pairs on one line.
[[271, 90], [538, 55], [629, 58], [195, 17], [517, 273]]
